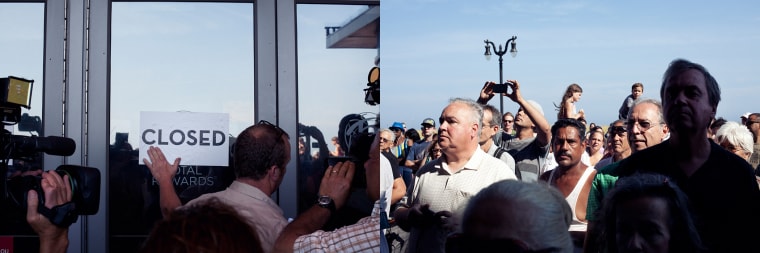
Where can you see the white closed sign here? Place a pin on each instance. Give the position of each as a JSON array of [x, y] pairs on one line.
[[200, 139]]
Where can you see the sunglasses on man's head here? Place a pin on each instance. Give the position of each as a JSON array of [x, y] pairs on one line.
[[279, 130]]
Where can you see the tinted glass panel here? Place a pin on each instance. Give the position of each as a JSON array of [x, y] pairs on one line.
[[331, 102], [172, 57]]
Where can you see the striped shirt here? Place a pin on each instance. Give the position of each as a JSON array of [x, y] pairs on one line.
[[364, 236]]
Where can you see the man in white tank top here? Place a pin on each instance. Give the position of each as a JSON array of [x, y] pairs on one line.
[[571, 176]]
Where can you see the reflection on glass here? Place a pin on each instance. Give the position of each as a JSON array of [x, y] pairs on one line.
[[331, 99], [171, 57]]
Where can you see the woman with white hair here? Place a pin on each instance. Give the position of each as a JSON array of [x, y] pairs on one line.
[[736, 138]]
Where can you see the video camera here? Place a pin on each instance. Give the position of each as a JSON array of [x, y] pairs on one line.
[[23, 174], [355, 138]]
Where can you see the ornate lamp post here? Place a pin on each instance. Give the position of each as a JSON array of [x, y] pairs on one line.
[[500, 52]]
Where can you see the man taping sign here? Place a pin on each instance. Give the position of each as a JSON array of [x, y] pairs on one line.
[[201, 139]]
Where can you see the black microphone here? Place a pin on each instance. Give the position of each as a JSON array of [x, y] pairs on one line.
[[51, 145]]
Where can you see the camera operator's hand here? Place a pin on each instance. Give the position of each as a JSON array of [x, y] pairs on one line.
[[486, 93], [160, 167], [336, 182], [57, 191]]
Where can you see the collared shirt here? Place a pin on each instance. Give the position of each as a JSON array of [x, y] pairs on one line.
[[444, 190], [256, 207], [364, 236]]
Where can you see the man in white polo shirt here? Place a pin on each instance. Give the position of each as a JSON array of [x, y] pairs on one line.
[[443, 187]]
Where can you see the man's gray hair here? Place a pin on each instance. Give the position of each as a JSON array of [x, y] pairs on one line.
[[495, 115], [540, 215], [476, 109], [655, 102], [388, 131]]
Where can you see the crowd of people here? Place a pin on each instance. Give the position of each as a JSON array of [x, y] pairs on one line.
[[666, 175]]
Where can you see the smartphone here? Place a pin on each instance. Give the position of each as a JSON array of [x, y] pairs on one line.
[[501, 88]]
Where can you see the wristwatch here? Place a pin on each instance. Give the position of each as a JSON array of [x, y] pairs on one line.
[[326, 202]]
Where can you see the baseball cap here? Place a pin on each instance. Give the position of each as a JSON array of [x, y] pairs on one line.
[[428, 121], [398, 125], [536, 106], [746, 115]]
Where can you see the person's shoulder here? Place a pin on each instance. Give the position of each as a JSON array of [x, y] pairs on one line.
[[502, 154], [431, 166], [728, 159], [220, 196], [545, 176], [603, 162], [651, 154], [484, 157], [609, 168], [658, 158], [391, 157]]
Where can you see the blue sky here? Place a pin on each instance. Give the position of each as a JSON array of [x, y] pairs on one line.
[[432, 50]]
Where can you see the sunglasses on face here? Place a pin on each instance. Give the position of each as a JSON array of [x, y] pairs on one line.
[[618, 130], [643, 125]]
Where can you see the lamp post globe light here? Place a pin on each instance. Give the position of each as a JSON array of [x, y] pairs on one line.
[[500, 52]]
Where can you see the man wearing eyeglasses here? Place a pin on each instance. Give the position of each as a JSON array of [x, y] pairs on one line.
[[721, 186], [443, 186], [490, 129], [644, 127]]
